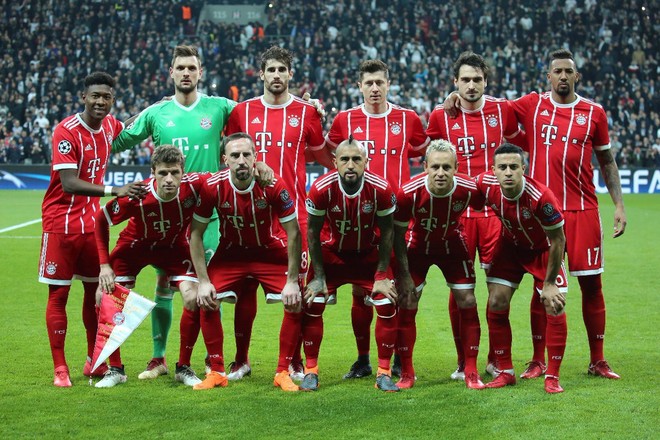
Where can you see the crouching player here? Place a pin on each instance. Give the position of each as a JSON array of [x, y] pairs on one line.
[[532, 242], [260, 239], [348, 208], [156, 234], [427, 223]]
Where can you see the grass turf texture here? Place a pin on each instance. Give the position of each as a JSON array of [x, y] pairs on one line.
[[436, 408]]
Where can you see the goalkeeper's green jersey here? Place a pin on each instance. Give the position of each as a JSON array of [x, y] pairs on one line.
[[195, 130]]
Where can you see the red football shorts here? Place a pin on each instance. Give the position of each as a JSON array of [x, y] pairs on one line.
[[482, 234], [127, 261], [584, 242], [454, 262], [510, 263], [68, 256]]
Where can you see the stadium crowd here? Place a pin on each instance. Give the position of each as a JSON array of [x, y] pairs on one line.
[[48, 47]]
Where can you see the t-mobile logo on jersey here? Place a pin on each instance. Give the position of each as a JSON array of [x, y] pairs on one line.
[[236, 220], [94, 166], [369, 146], [182, 144], [465, 145], [429, 224], [549, 133], [262, 140], [162, 226]]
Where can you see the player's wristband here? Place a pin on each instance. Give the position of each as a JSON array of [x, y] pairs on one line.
[[380, 275], [108, 190]]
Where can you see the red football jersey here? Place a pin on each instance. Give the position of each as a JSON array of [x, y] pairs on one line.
[[249, 218], [154, 221], [527, 216], [561, 139], [434, 218], [475, 134], [350, 220], [77, 147], [281, 134], [389, 137]]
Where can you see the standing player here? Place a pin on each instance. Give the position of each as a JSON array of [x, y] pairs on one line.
[[81, 146], [390, 134], [482, 125], [350, 241], [428, 231], [532, 242], [193, 122], [156, 234], [287, 132], [260, 238], [564, 130]]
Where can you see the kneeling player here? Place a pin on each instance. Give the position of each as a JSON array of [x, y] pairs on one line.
[[346, 208], [155, 235], [260, 239], [532, 242], [427, 222]]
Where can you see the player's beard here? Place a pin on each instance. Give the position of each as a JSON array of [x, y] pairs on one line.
[[283, 88], [351, 186], [186, 90], [473, 98], [565, 91]]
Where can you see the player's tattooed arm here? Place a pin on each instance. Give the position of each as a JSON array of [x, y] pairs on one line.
[[610, 173], [316, 286]]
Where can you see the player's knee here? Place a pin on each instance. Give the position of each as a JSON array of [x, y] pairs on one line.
[[465, 300], [189, 295], [497, 301], [386, 311]]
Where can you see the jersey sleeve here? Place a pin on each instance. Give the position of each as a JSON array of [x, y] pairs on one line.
[[234, 123], [139, 130], [385, 201], [337, 132], [205, 203], [435, 130], [66, 151], [522, 105], [280, 199], [548, 211], [314, 129], [118, 210], [419, 139], [601, 139], [404, 208], [316, 204], [478, 200]]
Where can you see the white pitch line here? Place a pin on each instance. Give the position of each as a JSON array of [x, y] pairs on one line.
[[22, 225]]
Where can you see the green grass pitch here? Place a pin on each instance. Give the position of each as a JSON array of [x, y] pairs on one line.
[[436, 408]]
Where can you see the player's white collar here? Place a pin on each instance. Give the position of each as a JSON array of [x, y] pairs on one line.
[[451, 191], [578, 98], [377, 115], [87, 127], [289, 101], [242, 191], [152, 188], [191, 106], [478, 109], [517, 196], [350, 196]]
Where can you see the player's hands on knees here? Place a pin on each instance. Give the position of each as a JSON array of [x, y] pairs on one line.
[[553, 300], [387, 288], [106, 278], [134, 190], [452, 105], [206, 296], [405, 287], [291, 295], [316, 103], [264, 174], [315, 288]]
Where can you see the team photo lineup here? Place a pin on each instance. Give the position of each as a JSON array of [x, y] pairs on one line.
[[506, 189]]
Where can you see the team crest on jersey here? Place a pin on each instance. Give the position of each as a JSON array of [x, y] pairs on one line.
[[492, 121], [458, 206], [395, 128], [261, 203], [580, 119], [310, 204], [64, 146], [367, 207], [188, 202], [115, 206], [526, 214], [294, 121], [205, 123], [118, 318], [51, 268]]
